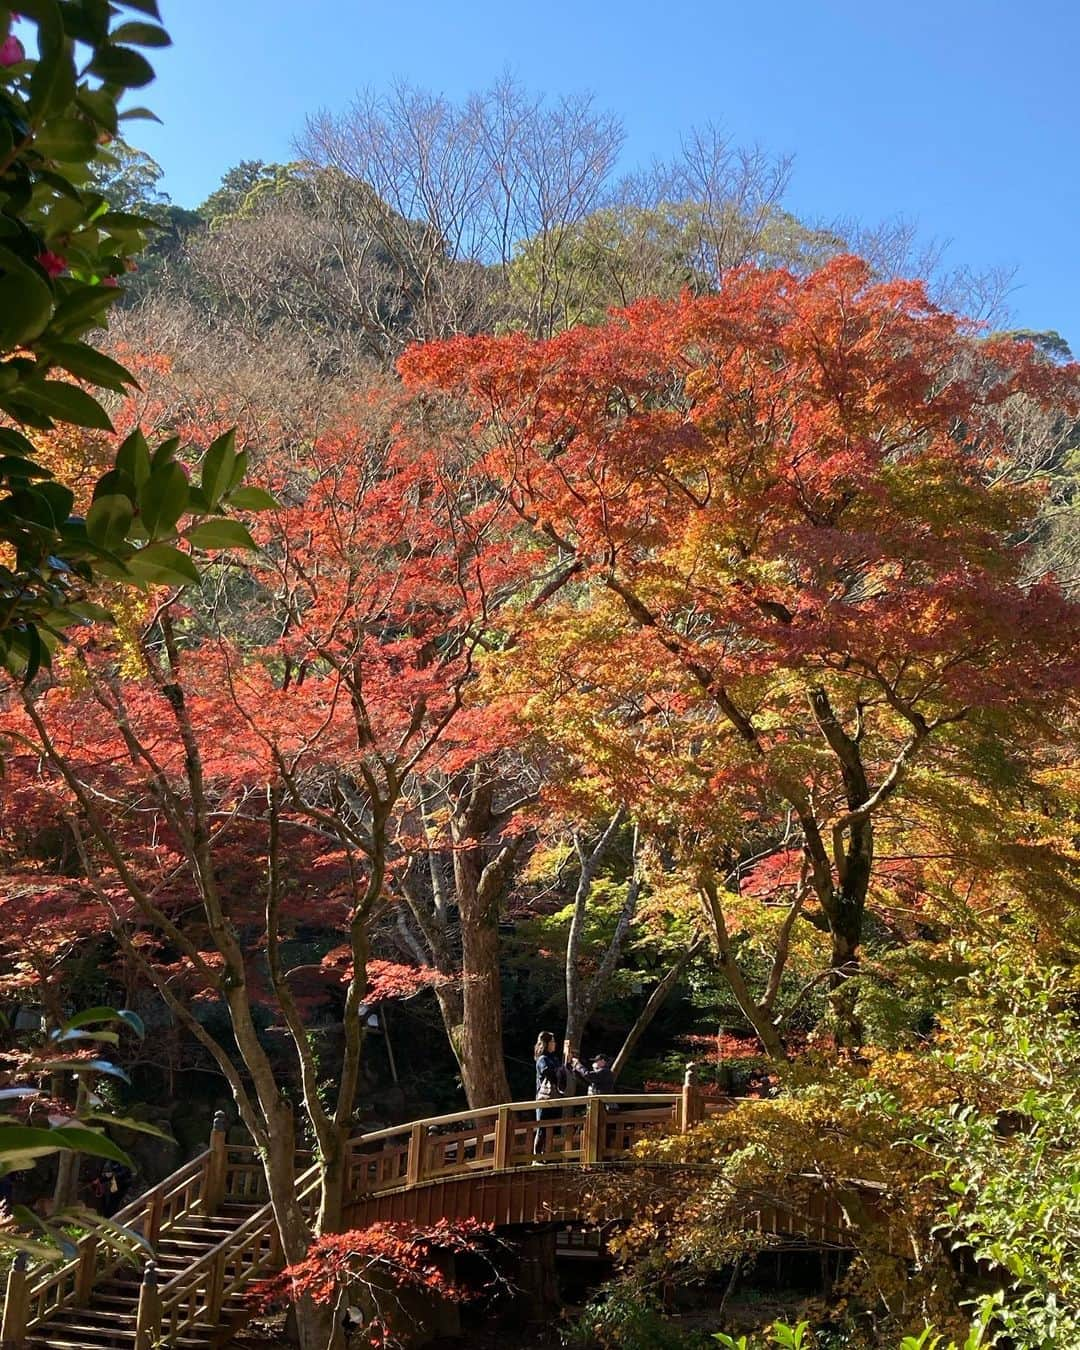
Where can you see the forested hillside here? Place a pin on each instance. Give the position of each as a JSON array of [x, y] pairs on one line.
[[465, 590]]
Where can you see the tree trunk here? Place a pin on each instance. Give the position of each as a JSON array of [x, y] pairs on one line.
[[480, 1052], [846, 930], [581, 1000], [481, 870], [314, 1324], [653, 1004], [759, 1017], [66, 1190]]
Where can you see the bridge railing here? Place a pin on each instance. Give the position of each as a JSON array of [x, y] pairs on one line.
[[591, 1129]]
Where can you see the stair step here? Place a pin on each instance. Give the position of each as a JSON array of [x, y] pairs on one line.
[[179, 1244], [94, 1314], [59, 1334], [108, 1323], [75, 1339], [200, 1231]]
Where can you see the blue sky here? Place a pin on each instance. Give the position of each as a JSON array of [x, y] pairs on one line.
[[959, 113]]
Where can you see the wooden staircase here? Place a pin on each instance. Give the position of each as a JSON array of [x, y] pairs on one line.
[[110, 1320], [210, 1231]]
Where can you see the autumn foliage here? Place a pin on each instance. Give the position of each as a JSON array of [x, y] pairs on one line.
[[373, 1267], [735, 583], [783, 583]]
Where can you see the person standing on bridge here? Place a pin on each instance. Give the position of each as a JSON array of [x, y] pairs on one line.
[[550, 1083], [597, 1074]]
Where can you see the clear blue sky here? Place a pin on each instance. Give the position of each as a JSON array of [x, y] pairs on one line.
[[960, 113]]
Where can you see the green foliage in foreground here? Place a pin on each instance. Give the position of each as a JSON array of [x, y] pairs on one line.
[[972, 1141], [63, 249], [78, 1050]]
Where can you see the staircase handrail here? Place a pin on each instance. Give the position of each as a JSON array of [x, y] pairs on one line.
[[206, 1274], [76, 1277]]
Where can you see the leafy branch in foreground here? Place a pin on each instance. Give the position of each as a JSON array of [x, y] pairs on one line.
[[63, 250]]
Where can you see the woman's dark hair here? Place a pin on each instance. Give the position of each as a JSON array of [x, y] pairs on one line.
[[545, 1039]]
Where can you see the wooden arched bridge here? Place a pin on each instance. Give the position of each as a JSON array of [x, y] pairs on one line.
[[212, 1230]]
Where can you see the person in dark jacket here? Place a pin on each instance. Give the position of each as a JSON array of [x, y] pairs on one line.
[[597, 1074], [111, 1187], [550, 1083]]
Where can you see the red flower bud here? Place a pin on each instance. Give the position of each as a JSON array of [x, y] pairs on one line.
[[53, 263], [11, 51]]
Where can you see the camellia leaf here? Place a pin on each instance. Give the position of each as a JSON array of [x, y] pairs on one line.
[[142, 35], [133, 458], [29, 1141], [163, 565], [78, 1066], [125, 220], [109, 519], [132, 1020], [85, 363], [220, 534], [132, 114], [217, 467], [17, 444], [163, 499], [62, 1037], [252, 499], [144, 7], [66, 402], [91, 1141], [128, 1123], [123, 66], [26, 301], [99, 1014], [84, 306], [67, 139]]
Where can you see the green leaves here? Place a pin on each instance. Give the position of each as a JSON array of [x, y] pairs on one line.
[[163, 565], [163, 499], [59, 402], [25, 302], [252, 499], [220, 533], [222, 468], [122, 66], [109, 520], [21, 1144], [95, 367], [142, 35], [90, 1016], [61, 250], [133, 458], [71, 140]]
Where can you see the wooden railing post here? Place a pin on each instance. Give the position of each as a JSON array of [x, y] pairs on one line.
[[215, 1285], [148, 1317], [85, 1275], [414, 1167], [594, 1124], [152, 1222], [691, 1104], [16, 1304], [213, 1191], [504, 1134]]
